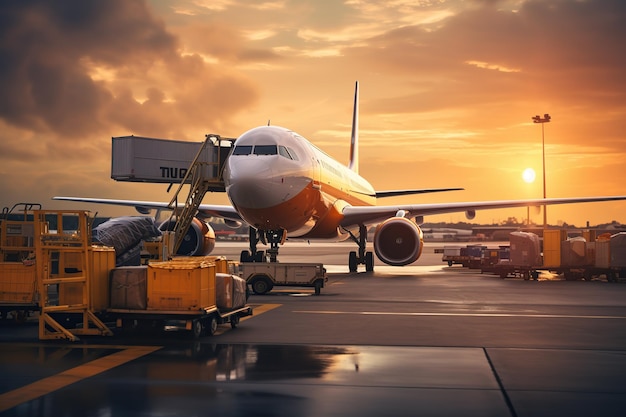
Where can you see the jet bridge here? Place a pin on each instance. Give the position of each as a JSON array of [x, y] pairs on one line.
[[199, 165], [153, 160]]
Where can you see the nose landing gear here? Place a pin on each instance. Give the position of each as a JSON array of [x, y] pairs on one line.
[[273, 237]]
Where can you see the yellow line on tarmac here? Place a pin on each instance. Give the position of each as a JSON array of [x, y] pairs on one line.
[[78, 373], [260, 309], [256, 309]]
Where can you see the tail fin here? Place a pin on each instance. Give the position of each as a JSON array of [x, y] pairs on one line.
[[354, 141]]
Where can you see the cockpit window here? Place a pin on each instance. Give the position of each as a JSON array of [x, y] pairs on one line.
[[284, 152], [293, 154], [242, 150], [265, 150]]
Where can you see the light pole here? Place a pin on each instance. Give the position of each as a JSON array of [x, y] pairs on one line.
[[545, 119]]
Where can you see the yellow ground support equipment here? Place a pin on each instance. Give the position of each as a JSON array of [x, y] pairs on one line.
[[68, 250], [202, 176]]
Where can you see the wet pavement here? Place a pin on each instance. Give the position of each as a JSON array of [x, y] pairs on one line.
[[263, 380], [198, 378]]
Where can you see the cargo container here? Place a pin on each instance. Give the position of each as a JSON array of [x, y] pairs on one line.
[[552, 239], [490, 257], [179, 294], [618, 250], [524, 257], [18, 290], [469, 256], [129, 287], [101, 261], [452, 255], [222, 264], [263, 276], [231, 291], [181, 286], [525, 249], [610, 257]]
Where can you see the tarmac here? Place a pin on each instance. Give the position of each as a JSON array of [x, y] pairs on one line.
[[422, 340]]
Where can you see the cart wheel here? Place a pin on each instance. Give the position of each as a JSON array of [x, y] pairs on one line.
[[212, 326], [318, 287], [197, 328], [611, 276], [20, 316], [261, 286], [234, 321]]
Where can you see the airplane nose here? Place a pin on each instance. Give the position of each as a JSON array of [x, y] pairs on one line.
[[249, 183], [248, 168]]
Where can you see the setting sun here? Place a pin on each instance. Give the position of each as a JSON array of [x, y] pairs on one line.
[[529, 175]]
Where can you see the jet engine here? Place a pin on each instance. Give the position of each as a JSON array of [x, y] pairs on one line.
[[398, 241], [199, 239]]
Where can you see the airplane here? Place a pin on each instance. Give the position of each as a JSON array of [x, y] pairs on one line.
[[284, 187]]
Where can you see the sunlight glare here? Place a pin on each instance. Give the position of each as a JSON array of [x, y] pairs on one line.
[[529, 175]]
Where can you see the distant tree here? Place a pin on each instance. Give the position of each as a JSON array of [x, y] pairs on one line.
[[511, 221]]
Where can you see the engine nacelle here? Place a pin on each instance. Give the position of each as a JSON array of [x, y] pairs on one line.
[[232, 223], [470, 214], [398, 241], [199, 240]]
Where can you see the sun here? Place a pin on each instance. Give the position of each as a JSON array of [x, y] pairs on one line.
[[529, 175]]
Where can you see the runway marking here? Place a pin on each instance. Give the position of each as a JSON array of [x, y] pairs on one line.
[[256, 310], [433, 314], [47, 385], [260, 309]]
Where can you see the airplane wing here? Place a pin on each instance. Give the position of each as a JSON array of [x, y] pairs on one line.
[[207, 210], [394, 193], [355, 215]]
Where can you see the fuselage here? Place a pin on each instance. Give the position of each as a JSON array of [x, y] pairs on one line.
[[276, 179]]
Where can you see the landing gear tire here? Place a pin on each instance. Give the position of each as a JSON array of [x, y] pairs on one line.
[[369, 261], [352, 261]]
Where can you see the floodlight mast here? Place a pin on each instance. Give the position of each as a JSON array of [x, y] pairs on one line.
[[543, 120]]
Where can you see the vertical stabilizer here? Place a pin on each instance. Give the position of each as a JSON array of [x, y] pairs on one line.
[[354, 141]]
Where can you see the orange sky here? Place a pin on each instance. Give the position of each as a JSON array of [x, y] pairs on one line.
[[448, 89]]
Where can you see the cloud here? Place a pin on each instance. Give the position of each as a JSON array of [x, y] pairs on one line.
[[80, 68], [561, 53]]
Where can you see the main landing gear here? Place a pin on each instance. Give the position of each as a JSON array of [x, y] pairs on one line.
[[363, 257], [273, 237]]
